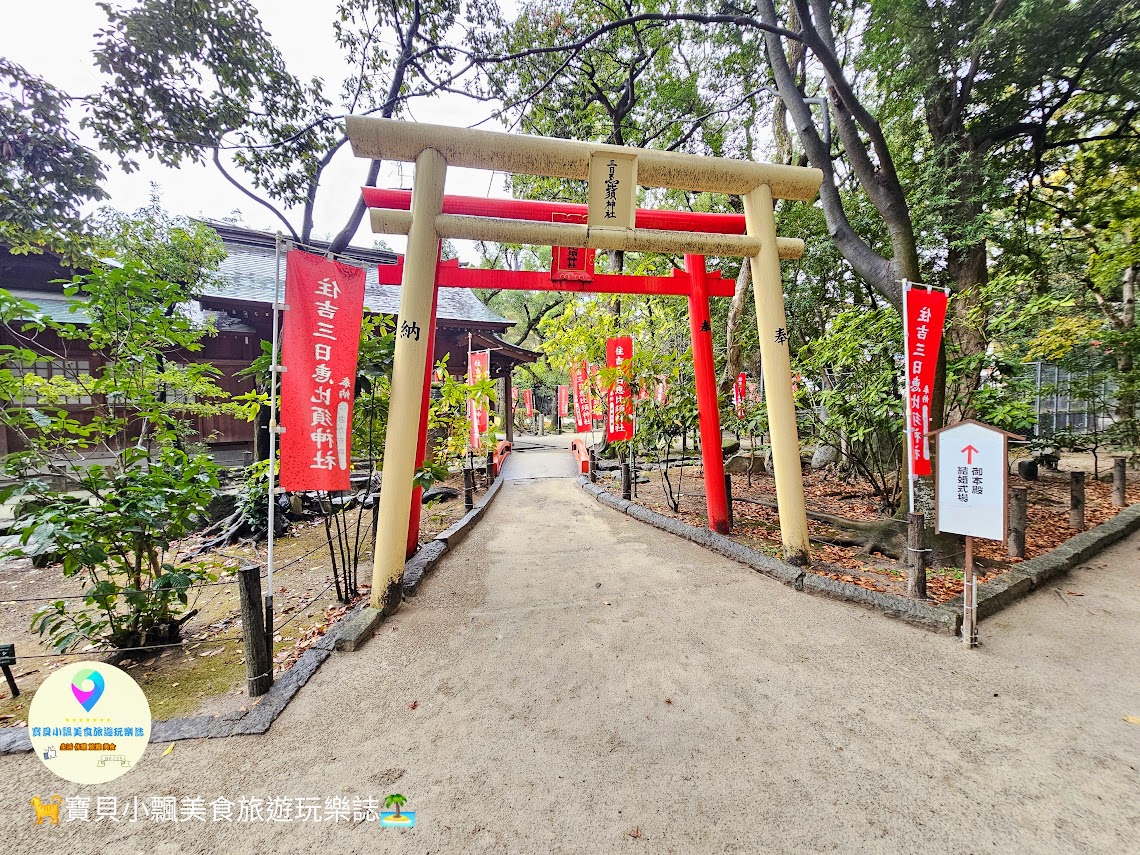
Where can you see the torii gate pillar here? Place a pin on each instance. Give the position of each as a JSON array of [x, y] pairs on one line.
[[775, 363], [408, 372]]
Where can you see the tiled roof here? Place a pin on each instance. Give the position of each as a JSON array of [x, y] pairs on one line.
[[55, 307], [249, 273]]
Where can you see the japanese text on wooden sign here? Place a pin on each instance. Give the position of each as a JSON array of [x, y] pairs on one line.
[[319, 348], [922, 333], [612, 200], [619, 418], [970, 496], [571, 263], [563, 401]]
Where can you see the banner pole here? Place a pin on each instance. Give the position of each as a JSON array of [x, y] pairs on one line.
[[273, 371]]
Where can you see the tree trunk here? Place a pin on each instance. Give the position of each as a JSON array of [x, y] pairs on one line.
[[734, 356]]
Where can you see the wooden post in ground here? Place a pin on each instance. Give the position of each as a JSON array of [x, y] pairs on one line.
[[258, 664], [1077, 501], [468, 488], [1119, 481], [593, 467], [969, 598], [490, 467], [916, 557], [626, 482], [728, 501], [1018, 520]]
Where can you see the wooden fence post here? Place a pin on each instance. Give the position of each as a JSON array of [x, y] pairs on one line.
[[593, 467], [1119, 481], [916, 557], [626, 482], [1077, 501], [1018, 519], [468, 488], [490, 467], [728, 497], [258, 664]]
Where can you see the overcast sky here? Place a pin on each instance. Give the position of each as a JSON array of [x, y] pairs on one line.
[[54, 39]]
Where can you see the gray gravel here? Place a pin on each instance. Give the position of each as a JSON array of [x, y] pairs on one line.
[[578, 676]]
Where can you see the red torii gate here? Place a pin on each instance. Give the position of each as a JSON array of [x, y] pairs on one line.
[[694, 282]]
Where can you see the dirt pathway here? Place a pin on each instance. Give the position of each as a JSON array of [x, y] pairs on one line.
[[570, 678]]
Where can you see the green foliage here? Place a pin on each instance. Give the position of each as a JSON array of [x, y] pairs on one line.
[[119, 542], [448, 418], [133, 490], [856, 404], [46, 174]]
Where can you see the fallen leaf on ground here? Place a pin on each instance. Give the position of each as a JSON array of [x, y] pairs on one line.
[[414, 705], [1074, 594], [636, 833], [168, 750], [1132, 719]]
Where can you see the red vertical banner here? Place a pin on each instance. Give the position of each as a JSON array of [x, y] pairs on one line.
[[478, 370], [922, 337], [739, 393], [583, 402], [320, 342], [528, 402], [598, 400], [619, 418], [563, 401]]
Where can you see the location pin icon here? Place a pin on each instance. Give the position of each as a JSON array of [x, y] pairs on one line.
[[87, 686]]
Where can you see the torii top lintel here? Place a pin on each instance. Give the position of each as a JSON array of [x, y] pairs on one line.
[[392, 139]]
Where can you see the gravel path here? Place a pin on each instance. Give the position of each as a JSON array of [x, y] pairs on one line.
[[570, 678]]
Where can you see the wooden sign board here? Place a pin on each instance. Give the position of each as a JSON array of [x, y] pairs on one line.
[[613, 191], [971, 487]]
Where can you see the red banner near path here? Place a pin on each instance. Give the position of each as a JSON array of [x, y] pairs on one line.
[[563, 401], [583, 403], [478, 370], [320, 341], [739, 393], [528, 401], [619, 420], [922, 336]]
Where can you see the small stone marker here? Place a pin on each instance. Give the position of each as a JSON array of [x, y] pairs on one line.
[[971, 495]]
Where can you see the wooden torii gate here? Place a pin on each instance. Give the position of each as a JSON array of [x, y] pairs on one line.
[[426, 216], [693, 282]]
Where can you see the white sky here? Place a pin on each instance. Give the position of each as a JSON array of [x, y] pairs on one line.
[[54, 39]]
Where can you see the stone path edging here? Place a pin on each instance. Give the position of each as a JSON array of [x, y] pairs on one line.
[[347, 635], [937, 618], [1030, 575], [945, 618]]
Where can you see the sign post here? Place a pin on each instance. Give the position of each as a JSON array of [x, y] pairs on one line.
[[970, 498]]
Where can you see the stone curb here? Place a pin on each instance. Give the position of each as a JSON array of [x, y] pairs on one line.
[[347, 635], [1031, 575], [943, 618]]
